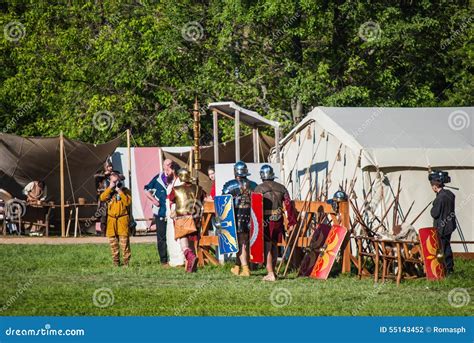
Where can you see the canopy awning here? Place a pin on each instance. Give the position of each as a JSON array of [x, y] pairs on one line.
[[247, 116]]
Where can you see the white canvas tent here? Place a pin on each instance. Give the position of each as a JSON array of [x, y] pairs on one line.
[[393, 141]]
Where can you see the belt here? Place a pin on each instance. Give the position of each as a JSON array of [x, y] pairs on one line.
[[272, 212], [116, 217]]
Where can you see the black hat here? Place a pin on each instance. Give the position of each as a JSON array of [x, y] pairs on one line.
[[439, 176]]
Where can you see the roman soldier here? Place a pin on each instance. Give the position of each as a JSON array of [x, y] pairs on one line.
[[240, 188], [276, 200], [188, 199]]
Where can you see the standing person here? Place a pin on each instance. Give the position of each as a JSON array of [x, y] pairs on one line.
[[176, 257], [118, 200], [212, 176], [276, 200], [444, 217], [188, 199], [102, 180], [156, 191], [240, 188]]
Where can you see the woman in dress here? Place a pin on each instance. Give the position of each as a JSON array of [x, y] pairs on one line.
[[176, 256]]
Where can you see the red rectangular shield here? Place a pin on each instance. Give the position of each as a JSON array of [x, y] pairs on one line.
[[432, 253], [328, 255], [256, 229]]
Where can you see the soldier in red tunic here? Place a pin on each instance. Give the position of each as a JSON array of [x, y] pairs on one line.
[[276, 200]]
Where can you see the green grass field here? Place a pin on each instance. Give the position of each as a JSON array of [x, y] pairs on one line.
[[62, 279]]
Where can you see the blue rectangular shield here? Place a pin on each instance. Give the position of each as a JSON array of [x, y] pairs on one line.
[[225, 224]]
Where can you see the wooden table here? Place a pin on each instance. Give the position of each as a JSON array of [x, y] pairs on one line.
[[74, 208], [46, 207]]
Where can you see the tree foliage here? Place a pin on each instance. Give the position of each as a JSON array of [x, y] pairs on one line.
[[93, 69]]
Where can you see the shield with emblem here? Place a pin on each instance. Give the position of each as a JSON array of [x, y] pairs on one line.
[[432, 253], [256, 228], [316, 243], [225, 224], [328, 252]]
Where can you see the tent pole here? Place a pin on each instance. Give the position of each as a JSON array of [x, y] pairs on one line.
[[61, 180], [237, 135], [215, 129], [255, 144], [129, 151], [258, 145], [277, 143], [197, 137]]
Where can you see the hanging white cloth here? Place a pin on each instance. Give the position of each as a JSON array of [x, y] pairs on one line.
[[176, 257]]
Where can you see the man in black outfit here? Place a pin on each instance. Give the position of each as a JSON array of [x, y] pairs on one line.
[[443, 215]]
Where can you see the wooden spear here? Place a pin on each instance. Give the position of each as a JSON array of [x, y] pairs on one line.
[[294, 231], [397, 199], [328, 176], [385, 214], [419, 215], [409, 210], [354, 177], [308, 198]]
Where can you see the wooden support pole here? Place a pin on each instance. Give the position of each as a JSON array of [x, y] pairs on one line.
[[129, 152], [61, 186], [277, 144], [345, 221], [255, 144], [237, 135], [258, 145], [215, 129], [197, 137]]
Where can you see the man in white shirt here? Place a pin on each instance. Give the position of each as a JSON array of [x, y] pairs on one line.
[[35, 191]]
